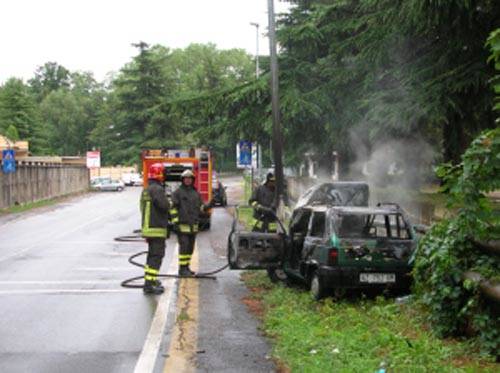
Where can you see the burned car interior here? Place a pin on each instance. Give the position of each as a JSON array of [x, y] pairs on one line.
[[332, 247]]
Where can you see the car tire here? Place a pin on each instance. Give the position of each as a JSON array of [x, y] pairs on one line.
[[277, 274], [120, 189], [317, 290]]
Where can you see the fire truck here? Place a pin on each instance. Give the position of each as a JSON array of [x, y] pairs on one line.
[[176, 161]]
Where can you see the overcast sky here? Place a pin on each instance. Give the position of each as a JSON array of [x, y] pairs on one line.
[[95, 35]]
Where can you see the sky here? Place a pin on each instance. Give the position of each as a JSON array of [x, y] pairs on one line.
[[96, 35]]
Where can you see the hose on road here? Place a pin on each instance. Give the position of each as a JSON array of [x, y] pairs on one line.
[[128, 283]]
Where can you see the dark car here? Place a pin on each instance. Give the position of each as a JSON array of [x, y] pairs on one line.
[[219, 194], [334, 248]]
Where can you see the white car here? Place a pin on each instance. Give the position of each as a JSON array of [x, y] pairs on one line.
[[132, 178]]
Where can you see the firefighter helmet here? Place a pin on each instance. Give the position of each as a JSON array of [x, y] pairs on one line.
[[155, 172], [270, 177], [187, 173]]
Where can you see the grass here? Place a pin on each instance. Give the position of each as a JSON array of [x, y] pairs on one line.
[[33, 205], [356, 335], [29, 206]]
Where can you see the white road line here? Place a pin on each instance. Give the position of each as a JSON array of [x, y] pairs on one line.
[[55, 282], [147, 359], [61, 291], [56, 237], [106, 269]]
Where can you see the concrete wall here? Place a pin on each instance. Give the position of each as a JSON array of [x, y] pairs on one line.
[[38, 181]]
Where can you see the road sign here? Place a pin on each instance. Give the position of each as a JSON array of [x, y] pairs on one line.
[[244, 154], [8, 161], [94, 159]]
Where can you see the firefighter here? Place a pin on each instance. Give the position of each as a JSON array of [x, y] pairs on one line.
[[187, 206], [263, 201], [154, 210]]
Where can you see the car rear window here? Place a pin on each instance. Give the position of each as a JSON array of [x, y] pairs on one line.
[[369, 226]]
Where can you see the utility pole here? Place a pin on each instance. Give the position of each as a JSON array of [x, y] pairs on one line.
[[275, 104]]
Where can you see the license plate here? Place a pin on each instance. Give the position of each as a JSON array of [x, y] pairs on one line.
[[377, 278]]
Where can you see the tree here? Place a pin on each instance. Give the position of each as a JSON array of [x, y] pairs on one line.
[[382, 69], [49, 77], [19, 114]]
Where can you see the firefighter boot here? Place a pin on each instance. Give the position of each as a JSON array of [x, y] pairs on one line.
[[150, 287], [184, 271], [158, 284]]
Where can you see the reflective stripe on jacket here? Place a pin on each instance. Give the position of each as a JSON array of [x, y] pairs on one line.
[[154, 211]]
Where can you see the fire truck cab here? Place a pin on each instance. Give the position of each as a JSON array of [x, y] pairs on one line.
[[175, 162]]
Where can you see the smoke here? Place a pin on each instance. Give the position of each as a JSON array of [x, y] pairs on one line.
[[405, 163], [396, 170]]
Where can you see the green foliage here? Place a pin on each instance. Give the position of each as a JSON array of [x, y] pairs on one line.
[[358, 335], [494, 44], [170, 98], [19, 111], [11, 133], [384, 69], [446, 253], [49, 77]]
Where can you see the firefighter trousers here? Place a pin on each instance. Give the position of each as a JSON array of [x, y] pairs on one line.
[[186, 248], [156, 252]]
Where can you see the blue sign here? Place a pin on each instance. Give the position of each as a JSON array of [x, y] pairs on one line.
[[8, 161], [245, 153]]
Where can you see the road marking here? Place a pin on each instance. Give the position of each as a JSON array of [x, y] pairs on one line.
[[151, 347], [49, 282], [106, 269], [184, 336], [61, 291], [58, 236]]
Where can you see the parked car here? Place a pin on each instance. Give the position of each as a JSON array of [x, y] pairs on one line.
[[106, 184], [132, 179], [331, 249], [219, 193]]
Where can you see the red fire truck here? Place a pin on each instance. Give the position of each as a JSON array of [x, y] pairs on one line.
[[175, 161]]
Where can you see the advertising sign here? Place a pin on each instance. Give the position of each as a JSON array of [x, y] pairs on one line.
[[8, 161], [94, 159], [244, 154]]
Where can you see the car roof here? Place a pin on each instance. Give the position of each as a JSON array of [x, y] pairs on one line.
[[354, 210]]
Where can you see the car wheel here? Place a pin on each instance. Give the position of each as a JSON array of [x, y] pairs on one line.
[[317, 287], [120, 189], [277, 274]]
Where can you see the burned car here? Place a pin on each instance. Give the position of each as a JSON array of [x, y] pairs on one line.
[[337, 193], [334, 248]]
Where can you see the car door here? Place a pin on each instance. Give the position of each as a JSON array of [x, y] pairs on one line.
[[315, 237], [254, 250]]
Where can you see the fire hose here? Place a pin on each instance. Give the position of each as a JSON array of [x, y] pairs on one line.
[[128, 282]]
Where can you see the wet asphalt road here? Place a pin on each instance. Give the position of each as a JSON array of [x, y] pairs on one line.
[[62, 308]]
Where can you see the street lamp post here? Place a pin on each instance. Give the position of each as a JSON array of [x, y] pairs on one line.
[[256, 47], [257, 73], [275, 105]]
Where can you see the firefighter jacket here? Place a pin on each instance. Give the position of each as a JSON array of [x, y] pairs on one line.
[[263, 196], [154, 211], [186, 209]]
